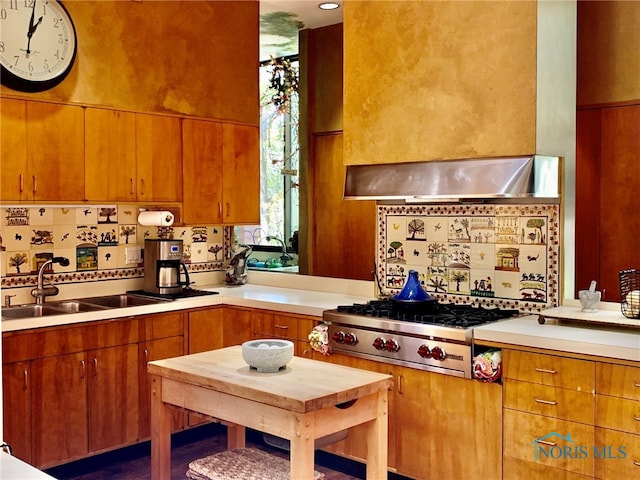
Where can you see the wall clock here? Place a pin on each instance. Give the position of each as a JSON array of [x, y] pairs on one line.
[[37, 44]]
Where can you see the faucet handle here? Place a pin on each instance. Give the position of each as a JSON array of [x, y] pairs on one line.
[[7, 300]]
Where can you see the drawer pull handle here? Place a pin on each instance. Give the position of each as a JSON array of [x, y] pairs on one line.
[[636, 463], [544, 370], [284, 327], [545, 442], [546, 402], [636, 384], [636, 418]]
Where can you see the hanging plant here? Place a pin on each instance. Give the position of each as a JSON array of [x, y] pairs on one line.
[[284, 81]]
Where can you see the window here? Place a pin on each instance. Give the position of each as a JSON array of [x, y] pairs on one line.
[[279, 153]]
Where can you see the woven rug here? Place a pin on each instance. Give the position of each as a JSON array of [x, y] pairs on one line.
[[242, 464]]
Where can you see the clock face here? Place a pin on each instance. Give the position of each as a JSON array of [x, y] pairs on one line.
[[37, 44]]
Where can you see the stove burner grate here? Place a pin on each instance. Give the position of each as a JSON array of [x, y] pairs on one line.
[[451, 315]]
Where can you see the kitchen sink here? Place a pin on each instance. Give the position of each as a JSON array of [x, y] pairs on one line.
[[122, 300], [75, 306], [63, 307], [29, 311]]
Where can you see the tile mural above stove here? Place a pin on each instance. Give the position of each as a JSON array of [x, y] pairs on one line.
[[501, 255]]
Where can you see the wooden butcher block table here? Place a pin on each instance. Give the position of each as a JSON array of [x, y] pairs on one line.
[[307, 400]]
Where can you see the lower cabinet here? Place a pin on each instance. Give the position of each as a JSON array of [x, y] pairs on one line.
[[432, 415], [295, 328], [84, 402], [218, 327], [149, 351], [113, 397], [60, 409], [16, 405]]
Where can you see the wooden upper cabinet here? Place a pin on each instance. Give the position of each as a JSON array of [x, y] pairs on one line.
[[441, 80], [42, 151], [202, 167], [13, 151], [158, 158], [221, 173], [55, 151], [241, 174], [132, 157], [110, 155]]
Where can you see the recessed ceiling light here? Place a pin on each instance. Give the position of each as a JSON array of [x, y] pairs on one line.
[[329, 5]]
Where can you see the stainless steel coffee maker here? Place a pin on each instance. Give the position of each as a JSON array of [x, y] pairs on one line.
[[162, 267]]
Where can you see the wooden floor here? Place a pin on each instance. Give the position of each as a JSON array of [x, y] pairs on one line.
[[134, 463]]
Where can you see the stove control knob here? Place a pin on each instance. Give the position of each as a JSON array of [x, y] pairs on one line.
[[379, 343], [391, 346], [424, 351], [438, 353], [338, 337], [350, 339]]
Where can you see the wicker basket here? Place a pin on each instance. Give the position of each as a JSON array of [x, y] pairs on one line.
[[630, 293]]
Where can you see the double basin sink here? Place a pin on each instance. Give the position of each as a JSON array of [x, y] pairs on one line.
[[90, 304]]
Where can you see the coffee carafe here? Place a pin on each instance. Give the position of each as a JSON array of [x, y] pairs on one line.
[[163, 267]]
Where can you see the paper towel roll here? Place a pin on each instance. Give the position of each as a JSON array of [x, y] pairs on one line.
[[155, 218]]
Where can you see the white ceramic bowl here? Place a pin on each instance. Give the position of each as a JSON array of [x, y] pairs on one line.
[[267, 355]]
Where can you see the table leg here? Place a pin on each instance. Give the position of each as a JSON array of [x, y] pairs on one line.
[[377, 433], [235, 436], [302, 450], [160, 433]]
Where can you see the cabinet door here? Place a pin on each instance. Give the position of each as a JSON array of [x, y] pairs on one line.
[[113, 396], [149, 351], [158, 158], [59, 409], [13, 154], [55, 151], [432, 420], [355, 445], [202, 167], [110, 155], [205, 330], [241, 180], [16, 405]]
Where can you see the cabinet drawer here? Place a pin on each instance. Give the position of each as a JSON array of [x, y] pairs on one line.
[[163, 325], [623, 455], [523, 433], [618, 414], [549, 401], [516, 468], [549, 370], [618, 380]]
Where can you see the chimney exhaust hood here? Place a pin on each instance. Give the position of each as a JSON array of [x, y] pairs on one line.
[[527, 177]]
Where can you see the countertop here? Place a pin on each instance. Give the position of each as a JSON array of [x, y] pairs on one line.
[[284, 299], [600, 334]]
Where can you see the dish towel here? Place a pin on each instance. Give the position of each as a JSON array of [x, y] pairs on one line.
[[242, 464]]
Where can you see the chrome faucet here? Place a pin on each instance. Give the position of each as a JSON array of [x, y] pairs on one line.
[[40, 292], [285, 257]]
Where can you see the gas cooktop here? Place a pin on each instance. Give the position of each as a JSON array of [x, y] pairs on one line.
[[445, 314]]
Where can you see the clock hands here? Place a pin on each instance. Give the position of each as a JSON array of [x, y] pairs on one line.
[[32, 27]]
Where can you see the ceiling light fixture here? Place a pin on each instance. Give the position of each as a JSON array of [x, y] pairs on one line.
[[329, 5]]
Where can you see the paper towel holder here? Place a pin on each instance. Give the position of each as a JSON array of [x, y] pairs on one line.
[[155, 217]]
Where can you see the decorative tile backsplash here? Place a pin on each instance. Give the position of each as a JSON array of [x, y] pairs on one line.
[[101, 242], [502, 255]]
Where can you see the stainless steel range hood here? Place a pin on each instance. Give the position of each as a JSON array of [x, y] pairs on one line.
[[530, 177]]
